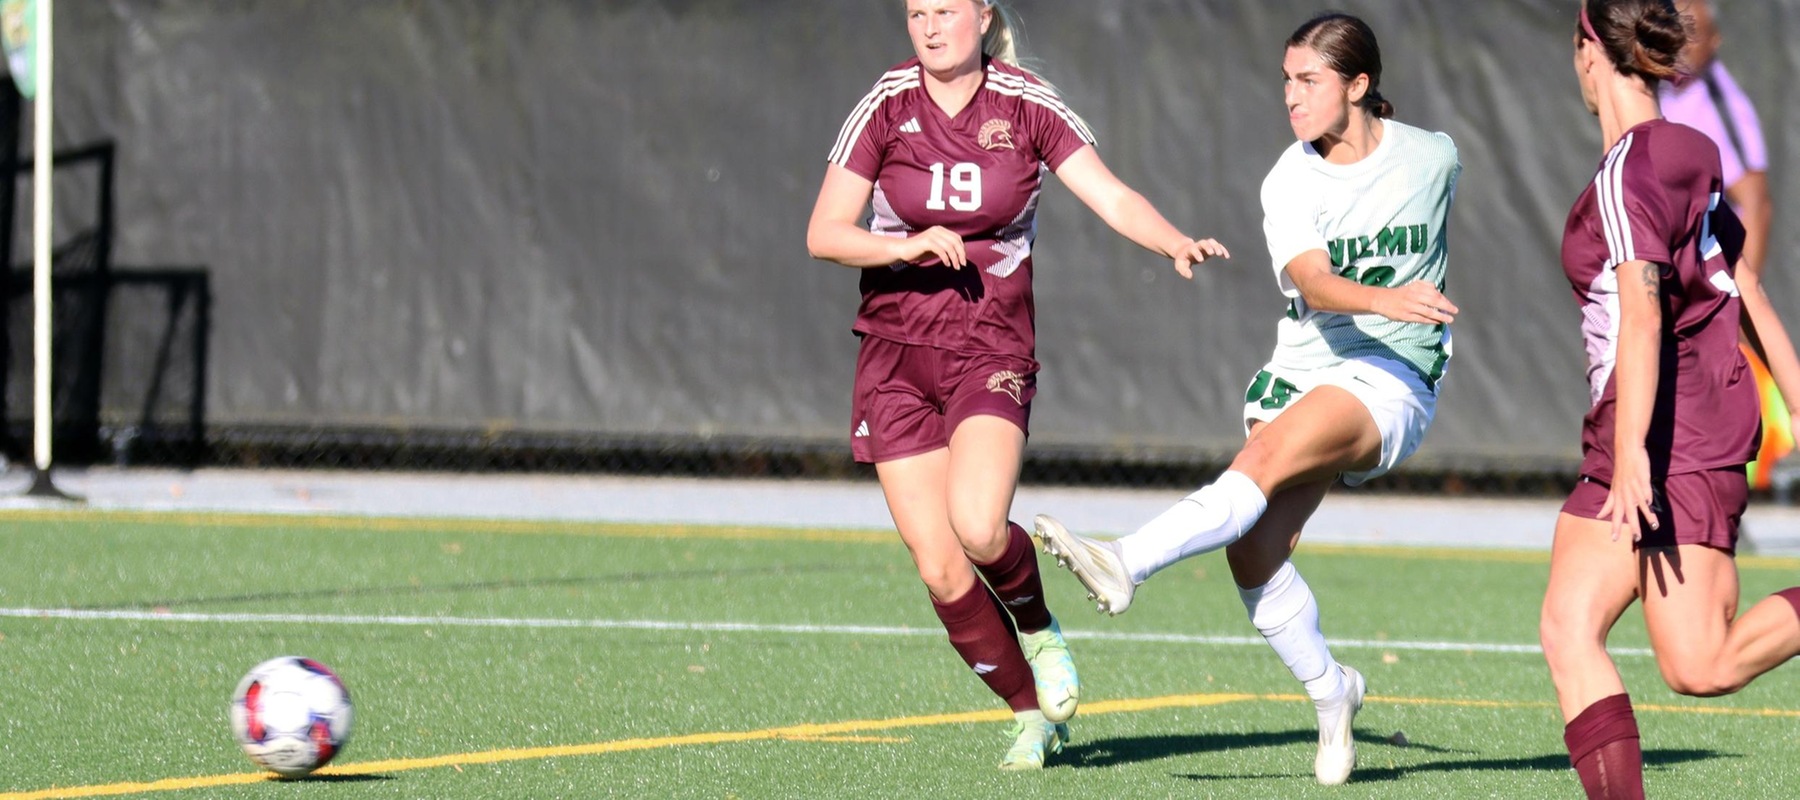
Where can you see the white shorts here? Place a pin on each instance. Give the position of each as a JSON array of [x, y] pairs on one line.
[[1395, 395]]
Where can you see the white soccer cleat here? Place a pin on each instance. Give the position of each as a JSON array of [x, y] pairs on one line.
[[1096, 563], [1033, 742], [1337, 739]]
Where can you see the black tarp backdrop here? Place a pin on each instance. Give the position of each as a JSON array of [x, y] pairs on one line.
[[590, 216]]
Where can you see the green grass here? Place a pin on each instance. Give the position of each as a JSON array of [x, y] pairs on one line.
[[98, 702]]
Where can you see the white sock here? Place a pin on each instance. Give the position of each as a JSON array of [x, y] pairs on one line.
[[1286, 612], [1202, 522]]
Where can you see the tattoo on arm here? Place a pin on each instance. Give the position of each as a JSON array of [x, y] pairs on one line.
[[1652, 280]]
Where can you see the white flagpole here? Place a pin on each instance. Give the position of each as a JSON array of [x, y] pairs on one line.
[[40, 242]]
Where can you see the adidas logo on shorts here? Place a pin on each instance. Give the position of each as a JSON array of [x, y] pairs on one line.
[[862, 430]]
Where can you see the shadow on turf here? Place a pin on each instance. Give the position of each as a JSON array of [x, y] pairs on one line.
[[478, 586], [1554, 763], [332, 779], [1134, 749]]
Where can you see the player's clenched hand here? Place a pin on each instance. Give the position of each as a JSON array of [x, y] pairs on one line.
[[1194, 252], [1631, 494], [1418, 301], [936, 244]]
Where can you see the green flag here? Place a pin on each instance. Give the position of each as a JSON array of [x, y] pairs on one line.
[[18, 30]]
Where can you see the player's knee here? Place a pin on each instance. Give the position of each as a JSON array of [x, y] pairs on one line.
[[1550, 639], [984, 541], [946, 580], [1565, 636], [1258, 454], [1275, 458], [1701, 679]]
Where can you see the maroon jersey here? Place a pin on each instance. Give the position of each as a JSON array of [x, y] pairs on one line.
[[977, 174], [1657, 198]]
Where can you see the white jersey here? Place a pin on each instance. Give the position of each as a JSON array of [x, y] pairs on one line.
[[1383, 221]]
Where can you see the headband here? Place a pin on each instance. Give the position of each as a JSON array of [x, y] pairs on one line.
[[1587, 26]]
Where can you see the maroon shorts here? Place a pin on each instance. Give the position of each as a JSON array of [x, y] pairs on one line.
[[909, 398], [1693, 507]]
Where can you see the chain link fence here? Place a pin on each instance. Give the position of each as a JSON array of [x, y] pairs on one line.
[[269, 447]]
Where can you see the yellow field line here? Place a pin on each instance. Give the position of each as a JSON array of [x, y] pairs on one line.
[[811, 732], [1722, 711]]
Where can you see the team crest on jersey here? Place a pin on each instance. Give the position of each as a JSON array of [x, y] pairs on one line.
[[1008, 383], [996, 134]]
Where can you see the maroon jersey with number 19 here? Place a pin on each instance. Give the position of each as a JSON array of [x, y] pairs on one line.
[[1657, 198], [977, 174]]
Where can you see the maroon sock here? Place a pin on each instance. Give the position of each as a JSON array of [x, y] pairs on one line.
[[1015, 580], [1792, 595], [979, 633], [1603, 746]]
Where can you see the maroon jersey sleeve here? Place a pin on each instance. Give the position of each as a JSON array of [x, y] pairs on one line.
[[1056, 130], [1634, 208], [863, 141]]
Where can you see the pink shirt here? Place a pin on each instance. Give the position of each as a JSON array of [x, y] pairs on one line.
[[1657, 197], [1712, 103], [977, 174]]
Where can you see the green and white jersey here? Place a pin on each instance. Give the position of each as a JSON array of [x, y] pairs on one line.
[[1384, 222]]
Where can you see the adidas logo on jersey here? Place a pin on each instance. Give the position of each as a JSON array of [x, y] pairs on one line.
[[911, 126], [862, 430], [983, 668]]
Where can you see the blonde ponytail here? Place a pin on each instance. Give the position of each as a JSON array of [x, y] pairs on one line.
[[1001, 42]]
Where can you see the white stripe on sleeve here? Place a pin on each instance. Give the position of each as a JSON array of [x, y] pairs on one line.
[[1014, 86], [891, 84], [1610, 195]]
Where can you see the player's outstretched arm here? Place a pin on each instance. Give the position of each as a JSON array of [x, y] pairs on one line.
[[1325, 290], [1762, 326], [833, 235], [1130, 214]]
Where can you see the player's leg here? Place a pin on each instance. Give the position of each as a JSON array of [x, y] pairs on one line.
[[1702, 647], [1306, 432], [1326, 431], [1689, 583], [898, 427], [1284, 610], [986, 411], [1592, 581], [983, 473], [987, 446], [978, 626]]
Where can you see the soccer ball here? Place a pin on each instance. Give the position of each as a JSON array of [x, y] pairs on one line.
[[291, 714]]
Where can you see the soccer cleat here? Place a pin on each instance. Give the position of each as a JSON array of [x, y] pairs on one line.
[[1058, 688], [1097, 564], [1032, 742], [1337, 739]]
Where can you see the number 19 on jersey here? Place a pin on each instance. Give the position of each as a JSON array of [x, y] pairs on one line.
[[965, 185]]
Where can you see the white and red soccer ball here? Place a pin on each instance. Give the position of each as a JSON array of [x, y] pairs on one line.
[[291, 714]]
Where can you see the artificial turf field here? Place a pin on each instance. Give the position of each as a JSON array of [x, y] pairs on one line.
[[539, 660]]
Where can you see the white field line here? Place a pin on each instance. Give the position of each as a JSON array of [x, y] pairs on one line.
[[730, 627]]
